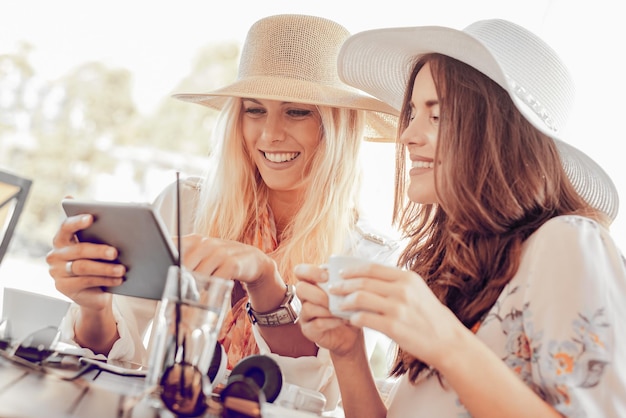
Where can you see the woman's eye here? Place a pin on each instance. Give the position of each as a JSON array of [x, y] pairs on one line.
[[298, 113], [435, 119], [254, 111]]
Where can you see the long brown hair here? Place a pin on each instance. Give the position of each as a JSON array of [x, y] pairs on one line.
[[499, 180]]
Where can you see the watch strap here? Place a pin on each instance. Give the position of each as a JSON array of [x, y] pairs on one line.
[[286, 313]]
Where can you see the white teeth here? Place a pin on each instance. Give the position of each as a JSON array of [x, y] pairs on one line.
[[281, 157], [422, 164]]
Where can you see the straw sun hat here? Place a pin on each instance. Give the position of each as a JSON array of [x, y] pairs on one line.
[[293, 58], [379, 62]]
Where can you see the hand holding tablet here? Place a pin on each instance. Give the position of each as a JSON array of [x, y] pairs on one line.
[[143, 243]]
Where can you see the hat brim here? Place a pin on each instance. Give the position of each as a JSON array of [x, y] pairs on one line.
[[288, 90], [393, 52], [381, 117], [386, 57], [589, 179]]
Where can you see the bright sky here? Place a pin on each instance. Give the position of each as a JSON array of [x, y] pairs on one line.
[[158, 41]]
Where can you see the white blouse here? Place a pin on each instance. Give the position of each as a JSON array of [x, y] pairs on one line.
[[559, 324], [134, 315]]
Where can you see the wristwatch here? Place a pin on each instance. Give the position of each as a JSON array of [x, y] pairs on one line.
[[286, 313]]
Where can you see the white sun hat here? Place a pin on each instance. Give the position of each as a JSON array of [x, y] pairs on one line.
[[379, 62], [293, 58]]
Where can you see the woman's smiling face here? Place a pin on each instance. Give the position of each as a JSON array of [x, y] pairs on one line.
[[420, 138], [281, 138]]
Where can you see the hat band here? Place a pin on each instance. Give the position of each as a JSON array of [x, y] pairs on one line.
[[534, 104]]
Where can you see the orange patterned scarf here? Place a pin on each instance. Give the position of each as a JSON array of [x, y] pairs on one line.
[[236, 333]]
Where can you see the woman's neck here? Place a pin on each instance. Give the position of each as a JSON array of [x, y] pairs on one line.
[[285, 206]]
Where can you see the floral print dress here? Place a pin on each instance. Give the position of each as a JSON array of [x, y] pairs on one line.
[[560, 325]]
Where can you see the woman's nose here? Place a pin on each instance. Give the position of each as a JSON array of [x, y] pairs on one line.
[[412, 133], [273, 129]]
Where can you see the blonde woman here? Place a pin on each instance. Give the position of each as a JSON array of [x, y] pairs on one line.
[[282, 188]]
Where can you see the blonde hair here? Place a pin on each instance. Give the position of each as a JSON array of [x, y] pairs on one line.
[[233, 188]]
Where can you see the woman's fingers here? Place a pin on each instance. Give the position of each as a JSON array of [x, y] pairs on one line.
[[66, 235], [75, 284], [86, 260], [224, 258], [87, 268], [311, 273], [311, 293]]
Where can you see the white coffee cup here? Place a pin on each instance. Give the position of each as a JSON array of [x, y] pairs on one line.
[[337, 263]]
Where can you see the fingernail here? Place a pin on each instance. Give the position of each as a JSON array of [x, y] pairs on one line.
[[335, 286]]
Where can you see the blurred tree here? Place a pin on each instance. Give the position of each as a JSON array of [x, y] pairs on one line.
[[66, 133], [184, 127], [16, 76]]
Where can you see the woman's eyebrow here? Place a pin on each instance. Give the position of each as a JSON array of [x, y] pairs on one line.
[[431, 103]]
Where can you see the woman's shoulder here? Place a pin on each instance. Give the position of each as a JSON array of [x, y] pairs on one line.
[[566, 304], [572, 246], [570, 222], [165, 202], [188, 184], [570, 231]]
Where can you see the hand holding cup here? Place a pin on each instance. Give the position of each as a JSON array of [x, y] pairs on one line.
[[336, 264]]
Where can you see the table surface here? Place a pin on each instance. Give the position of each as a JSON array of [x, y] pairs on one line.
[[27, 393]]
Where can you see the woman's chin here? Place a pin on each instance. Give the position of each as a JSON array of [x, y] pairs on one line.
[[418, 193]]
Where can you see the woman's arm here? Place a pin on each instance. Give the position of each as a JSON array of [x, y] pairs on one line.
[[234, 260], [266, 294], [345, 343], [359, 395], [79, 274], [96, 329], [484, 383], [401, 305]]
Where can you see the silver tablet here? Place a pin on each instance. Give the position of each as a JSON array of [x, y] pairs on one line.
[[138, 233]]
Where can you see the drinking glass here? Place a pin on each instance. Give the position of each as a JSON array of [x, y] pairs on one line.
[[185, 332]]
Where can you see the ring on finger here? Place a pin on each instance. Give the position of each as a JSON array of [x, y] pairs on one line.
[[68, 268]]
